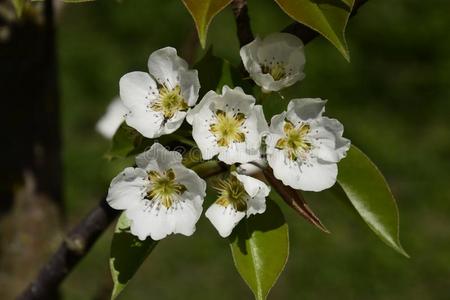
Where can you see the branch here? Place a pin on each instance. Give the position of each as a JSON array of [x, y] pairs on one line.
[[244, 30], [74, 247], [80, 240]]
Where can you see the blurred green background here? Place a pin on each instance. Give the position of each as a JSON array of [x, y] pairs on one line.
[[393, 99]]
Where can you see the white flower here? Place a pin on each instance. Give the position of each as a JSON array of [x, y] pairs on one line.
[[112, 119], [229, 125], [303, 147], [239, 196], [160, 196], [158, 102], [274, 62]]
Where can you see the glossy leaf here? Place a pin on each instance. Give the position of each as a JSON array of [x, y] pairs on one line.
[[371, 196], [260, 248], [327, 17], [203, 12], [127, 255]]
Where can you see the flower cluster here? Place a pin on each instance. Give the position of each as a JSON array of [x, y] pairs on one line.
[[161, 196]]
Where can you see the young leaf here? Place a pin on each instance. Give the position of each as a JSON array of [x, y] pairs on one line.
[[260, 248], [203, 12], [127, 255], [329, 18], [369, 193]]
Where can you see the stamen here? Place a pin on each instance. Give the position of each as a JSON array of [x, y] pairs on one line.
[[165, 190], [276, 70], [169, 102], [232, 192], [295, 142], [227, 128]]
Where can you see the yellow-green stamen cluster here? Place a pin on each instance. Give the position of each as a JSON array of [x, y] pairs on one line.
[[170, 102], [232, 192], [227, 128], [164, 187], [277, 71], [294, 141]]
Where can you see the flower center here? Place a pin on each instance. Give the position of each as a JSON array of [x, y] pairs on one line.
[[169, 102], [295, 141], [164, 187], [232, 192], [277, 70], [227, 128]]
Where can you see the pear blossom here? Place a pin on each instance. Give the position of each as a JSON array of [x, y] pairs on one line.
[[303, 147], [160, 196], [112, 119], [239, 196], [229, 125], [158, 102], [274, 62]]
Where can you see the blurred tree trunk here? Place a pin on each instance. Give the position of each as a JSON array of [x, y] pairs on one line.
[[30, 190]]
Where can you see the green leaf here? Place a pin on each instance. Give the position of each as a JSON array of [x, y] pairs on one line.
[[209, 70], [371, 196], [18, 6], [203, 12], [124, 142], [127, 254], [260, 248], [215, 72], [327, 17]]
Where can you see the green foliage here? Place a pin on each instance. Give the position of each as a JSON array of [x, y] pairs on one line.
[[260, 248], [329, 18], [125, 141], [203, 12], [369, 193], [127, 254], [18, 6]]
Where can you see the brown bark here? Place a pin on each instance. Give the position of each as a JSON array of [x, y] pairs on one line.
[[30, 193]]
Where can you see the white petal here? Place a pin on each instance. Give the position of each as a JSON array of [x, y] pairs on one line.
[[234, 100], [146, 122], [284, 169], [127, 189], [190, 86], [328, 143], [279, 45], [136, 90], [317, 176], [283, 48], [277, 123], [256, 205], [201, 133], [314, 175], [147, 220], [173, 123], [186, 214], [249, 57], [207, 99], [165, 66], [112, 119], [190, 180], [250, 168], [158, 155], [253, 186], [256, 125], [223, 218], [305, 109], [239, 153]]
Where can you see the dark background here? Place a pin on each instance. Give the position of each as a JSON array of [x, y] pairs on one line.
[[393, 99]]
